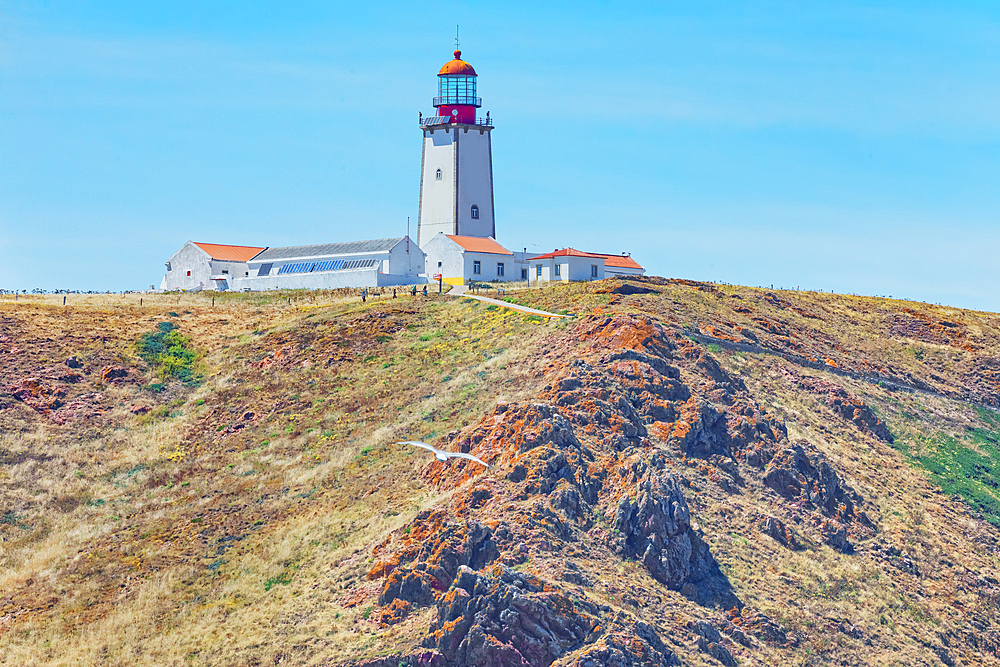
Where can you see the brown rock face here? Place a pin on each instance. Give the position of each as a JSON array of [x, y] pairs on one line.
[[504, 617], [38, 394], [655, 526], [809, 478], [845, 405], [394, 613], [626, 644], [114, 374], [778, 531], [592, 462]]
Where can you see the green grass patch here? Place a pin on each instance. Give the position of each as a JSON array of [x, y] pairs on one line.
[[282, 579], [967, 466], [170, 354]]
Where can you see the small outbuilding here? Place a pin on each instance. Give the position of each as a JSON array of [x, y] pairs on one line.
[[464, 259], [620, 265], [207, 266], [570, 264]]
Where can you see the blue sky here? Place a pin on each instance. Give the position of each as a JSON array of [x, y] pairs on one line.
[[841, 146]]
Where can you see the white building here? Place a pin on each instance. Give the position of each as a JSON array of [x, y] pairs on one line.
[[569, 264], [621, 265], [461, 259], [206, 266], [456, 168], [376, 263]]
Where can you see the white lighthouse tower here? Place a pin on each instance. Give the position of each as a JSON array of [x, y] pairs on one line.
[[456, 171]]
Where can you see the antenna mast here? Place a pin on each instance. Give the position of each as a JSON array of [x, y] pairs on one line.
[[456, 37]]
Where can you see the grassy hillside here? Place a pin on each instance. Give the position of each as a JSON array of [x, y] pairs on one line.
[[681, 473]]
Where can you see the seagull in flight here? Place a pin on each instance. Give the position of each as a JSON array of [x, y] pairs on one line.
[[442, 455]]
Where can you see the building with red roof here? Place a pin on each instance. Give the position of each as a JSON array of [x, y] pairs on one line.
[[372, 263], [461, 259], [570, 264], [198, 266]]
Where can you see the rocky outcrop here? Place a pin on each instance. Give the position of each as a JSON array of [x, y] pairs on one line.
[[38, 394], [796, 475], [845, 405], [782, 534], [626, 643], [114, 374], [435, 560], [508, 618], [811, 480], [710, 642], [745, 625], [655, 527]]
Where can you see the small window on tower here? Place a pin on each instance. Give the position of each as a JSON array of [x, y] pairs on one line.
[[475, 212], [189, 273], [438, 176]]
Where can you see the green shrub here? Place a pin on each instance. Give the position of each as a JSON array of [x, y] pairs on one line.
[[170, 355], [283, 579]]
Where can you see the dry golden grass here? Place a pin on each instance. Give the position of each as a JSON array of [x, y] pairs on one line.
[[192, 535]]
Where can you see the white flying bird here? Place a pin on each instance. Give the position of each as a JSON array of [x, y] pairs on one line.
[[441, 455]]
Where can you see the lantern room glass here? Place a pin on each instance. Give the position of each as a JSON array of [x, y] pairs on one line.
[[457, 90]]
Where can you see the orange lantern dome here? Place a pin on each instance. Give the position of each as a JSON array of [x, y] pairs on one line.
[[457, 67]]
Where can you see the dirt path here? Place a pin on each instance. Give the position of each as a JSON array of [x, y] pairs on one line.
[[513, 306]]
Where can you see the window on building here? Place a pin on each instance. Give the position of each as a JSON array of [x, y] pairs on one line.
[[168, 267], [439, 265], [558, 269], [538, 271], [438, 176], [477, 267], [593, 270], [225, 272], [524, 274], [475, 212], [189, 273], [499, 269], [264, 270]]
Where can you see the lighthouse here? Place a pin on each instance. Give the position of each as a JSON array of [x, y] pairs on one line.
[[456, 167]]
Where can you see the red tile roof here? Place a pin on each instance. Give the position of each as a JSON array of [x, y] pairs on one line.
[[477, 244], [620, 261], [229, 253], [566, 252]]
